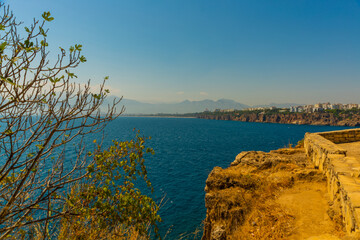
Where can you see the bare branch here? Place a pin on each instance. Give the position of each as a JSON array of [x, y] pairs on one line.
[[41, 111]]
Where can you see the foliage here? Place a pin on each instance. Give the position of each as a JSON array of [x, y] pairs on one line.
[[109, 190], [41, 111]]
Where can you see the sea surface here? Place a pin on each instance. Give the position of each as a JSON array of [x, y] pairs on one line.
[[187, 149]]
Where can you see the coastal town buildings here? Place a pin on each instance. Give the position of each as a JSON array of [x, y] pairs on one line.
[[260, 108], [318, 107], [310, 108]]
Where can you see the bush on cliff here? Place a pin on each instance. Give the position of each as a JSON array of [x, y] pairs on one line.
[[107, 205]]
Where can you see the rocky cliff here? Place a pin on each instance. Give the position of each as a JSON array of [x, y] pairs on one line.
[[252, 199], [318, 118]]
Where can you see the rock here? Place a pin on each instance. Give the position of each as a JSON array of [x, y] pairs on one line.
[[317, 118], [238, 158], [232, 192], [218, 233]]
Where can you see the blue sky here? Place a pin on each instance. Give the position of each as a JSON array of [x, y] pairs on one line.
[[254, 52]]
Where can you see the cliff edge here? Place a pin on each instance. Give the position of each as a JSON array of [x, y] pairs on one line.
[[317, 118], [276, 195]]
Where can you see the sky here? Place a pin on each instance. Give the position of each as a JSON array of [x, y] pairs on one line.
[[253, 52]]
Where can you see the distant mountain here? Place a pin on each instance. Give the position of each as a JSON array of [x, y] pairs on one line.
[[136, 107]]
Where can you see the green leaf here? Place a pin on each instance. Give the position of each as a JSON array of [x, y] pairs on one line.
[[8, 80], [2, 47], [90, 168], [55, 80], [39, 146], [14, 59], [44, 44], [46, 16], [42, 32], [70, 74], [2, 27], [82, 59], [97, 96], [28, 44], [78, 47], [8, 132]]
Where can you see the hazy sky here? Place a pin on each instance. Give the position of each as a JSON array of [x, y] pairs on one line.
[[254, 52]]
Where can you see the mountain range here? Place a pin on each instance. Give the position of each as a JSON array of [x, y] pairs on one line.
[[136, 107]]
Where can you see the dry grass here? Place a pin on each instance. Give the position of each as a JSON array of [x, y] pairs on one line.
[[243, 198], [71, 232], [85, 228], [77, 231], [267, 221], [188, 236]]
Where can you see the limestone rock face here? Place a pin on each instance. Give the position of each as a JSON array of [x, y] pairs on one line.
[[240, 198], [218, 233], [318, 118]]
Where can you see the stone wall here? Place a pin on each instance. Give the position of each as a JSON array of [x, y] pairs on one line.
[[342, 172], [344, 136]]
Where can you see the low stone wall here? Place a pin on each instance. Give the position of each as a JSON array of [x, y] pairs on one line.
[[342, 172], [344, 136]]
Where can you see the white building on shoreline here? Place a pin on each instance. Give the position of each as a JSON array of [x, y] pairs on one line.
[[319, 107]]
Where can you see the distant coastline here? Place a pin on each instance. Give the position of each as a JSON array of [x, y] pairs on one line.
[[326, 118], [282, 116], [158, 115]]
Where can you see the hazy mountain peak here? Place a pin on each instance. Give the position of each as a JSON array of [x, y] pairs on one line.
[[187, 106]]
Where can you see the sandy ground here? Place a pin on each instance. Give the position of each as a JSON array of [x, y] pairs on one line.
[[353, 149], [308, 203]]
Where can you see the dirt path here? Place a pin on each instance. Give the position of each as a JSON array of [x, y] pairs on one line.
[[353, 149], [308, 203]]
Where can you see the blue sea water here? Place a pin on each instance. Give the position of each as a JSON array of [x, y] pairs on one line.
[[187, 149]]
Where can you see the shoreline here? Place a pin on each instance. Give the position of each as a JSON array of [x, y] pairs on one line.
[[347, 119], [299, 124], [151, 116], [260, 119]]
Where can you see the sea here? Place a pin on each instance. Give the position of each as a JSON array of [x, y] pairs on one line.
[[187, 149]]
